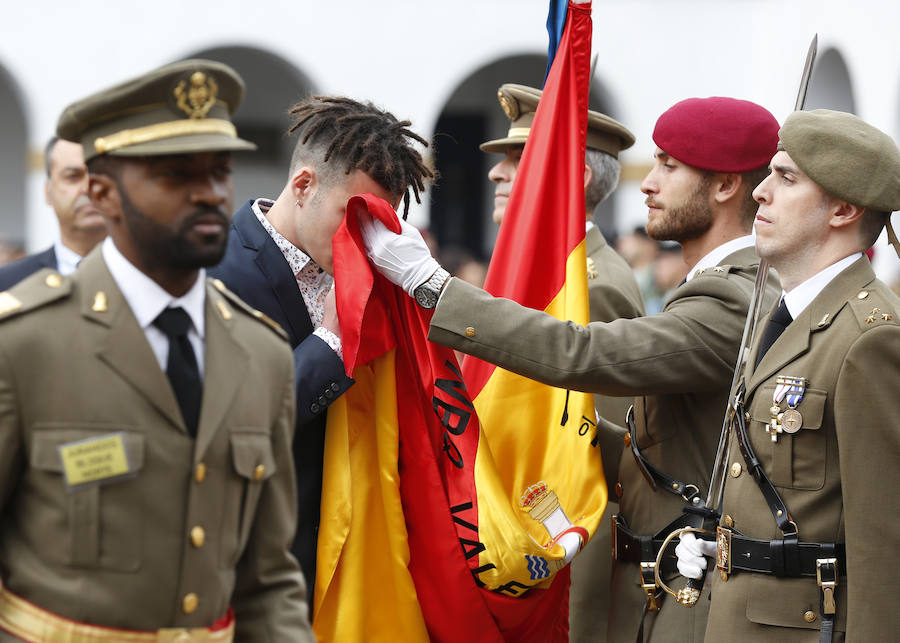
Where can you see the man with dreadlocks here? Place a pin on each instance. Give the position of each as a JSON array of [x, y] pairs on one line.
[[279, 260]]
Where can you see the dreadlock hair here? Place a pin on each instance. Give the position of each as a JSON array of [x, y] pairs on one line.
[[360, 136]]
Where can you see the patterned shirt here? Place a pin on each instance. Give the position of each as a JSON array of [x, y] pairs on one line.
[[313, 282]]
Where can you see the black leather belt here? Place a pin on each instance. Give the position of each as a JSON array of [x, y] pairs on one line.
[[630, 547], [767, 556]]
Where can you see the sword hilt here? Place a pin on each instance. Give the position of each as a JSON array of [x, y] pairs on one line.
[[690, 593]]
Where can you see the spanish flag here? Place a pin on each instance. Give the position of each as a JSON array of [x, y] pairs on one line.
[[439, 522]]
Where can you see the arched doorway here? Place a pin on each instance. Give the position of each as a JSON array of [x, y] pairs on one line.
[[273, 85], [13, 161], [830, 87], [462, 199]]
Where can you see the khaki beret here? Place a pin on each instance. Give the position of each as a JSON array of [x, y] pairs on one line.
[[845, 156], [181, 108], [520, 103]]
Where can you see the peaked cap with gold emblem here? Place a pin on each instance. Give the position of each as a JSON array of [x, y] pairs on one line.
[[180, 108], [520, 102]]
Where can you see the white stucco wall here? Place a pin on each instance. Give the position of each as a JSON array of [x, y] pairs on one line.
[[409, 56]]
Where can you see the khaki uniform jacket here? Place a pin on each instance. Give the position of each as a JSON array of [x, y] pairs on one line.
[[681, 360], [126, 553], [836, 474], [613, 293]]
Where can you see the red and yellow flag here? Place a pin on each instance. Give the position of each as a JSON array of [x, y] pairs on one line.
[[439, 522]]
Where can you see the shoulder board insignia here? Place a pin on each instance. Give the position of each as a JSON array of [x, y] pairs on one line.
[[717, 271], [240, 304], [872, 309], [33, 292]]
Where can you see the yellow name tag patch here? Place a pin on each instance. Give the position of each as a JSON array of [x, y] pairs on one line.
[[94, 459]]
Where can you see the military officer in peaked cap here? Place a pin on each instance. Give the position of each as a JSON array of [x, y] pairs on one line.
[[811, 517], [710, 154], [146, 490], [613, 293]]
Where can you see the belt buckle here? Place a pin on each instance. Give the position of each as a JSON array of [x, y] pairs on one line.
[[182, 635], [648, 584], [723, 551], [827, 578]]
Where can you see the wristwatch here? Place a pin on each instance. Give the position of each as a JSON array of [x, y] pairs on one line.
[[427, 293]]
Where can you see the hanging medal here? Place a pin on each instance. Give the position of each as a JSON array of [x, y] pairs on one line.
[[791, 389]]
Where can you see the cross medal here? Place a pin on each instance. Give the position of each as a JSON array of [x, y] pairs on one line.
[[790, 420]]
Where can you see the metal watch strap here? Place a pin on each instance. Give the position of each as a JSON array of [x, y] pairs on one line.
[[426, 294]]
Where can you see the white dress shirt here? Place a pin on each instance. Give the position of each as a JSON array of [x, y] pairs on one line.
[[147, 300], [66, 258], [716, 255], [801, 296]]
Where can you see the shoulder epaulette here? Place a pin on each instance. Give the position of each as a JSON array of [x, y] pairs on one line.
[[33, 292], [239, 304], [872, 308], [716, 271]]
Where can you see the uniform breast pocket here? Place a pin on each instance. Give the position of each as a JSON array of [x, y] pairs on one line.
[[254, 463], [96, 522], [796, 460]]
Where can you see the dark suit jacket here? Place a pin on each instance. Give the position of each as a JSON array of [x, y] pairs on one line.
[[15, 272], [255, 270]]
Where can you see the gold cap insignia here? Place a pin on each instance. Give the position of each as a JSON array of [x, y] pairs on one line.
[[509, 104], [198, 98]]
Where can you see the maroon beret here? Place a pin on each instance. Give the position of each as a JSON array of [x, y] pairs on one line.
[[718, 134]]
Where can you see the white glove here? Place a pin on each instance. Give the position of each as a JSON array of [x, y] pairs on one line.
[[692, 553], [403, 258]]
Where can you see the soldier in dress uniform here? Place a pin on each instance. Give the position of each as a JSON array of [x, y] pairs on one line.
[[810, 516], [146, 414], [711, 153], [613, 293]]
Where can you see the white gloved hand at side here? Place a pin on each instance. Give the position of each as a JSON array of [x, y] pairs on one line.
[[692, 553], [403, 258]]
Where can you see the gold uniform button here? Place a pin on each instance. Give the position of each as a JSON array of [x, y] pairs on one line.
[[189, 603], [200, 472], [809, 616], [728, 521], [470, 332], [862, 294], [259, 472], [198, 536], [53, 280], [735, 469]]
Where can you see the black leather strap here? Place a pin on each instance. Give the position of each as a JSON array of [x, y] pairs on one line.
[[774, 501], [690, 493], [631, 547], [768, 556]]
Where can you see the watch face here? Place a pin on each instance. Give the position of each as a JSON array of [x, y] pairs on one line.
[[425, 297]]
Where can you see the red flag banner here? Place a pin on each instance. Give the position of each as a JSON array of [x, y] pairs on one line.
[[436, 523]]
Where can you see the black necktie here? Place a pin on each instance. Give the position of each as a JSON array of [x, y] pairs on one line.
[[181, 366], [779, 320]]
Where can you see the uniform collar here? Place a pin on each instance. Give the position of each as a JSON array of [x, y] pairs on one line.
[[66, 258], [801, 296], [146, 298], [716, 255]]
